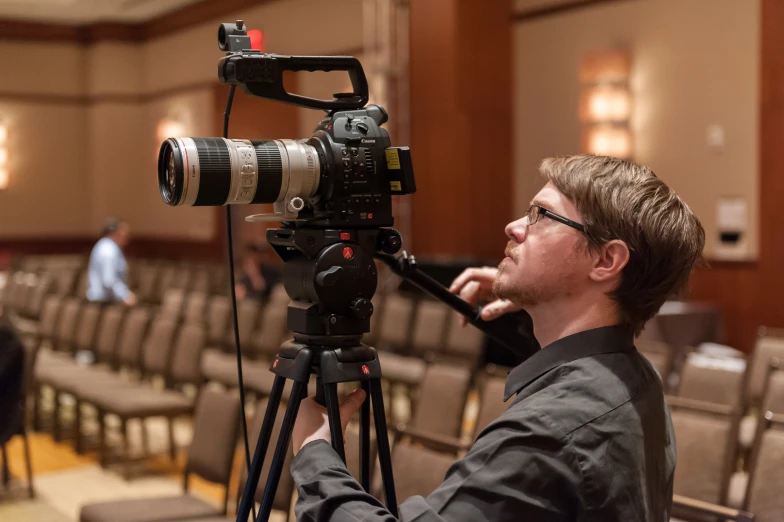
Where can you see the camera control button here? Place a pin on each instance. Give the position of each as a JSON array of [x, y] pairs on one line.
[[345, 152]]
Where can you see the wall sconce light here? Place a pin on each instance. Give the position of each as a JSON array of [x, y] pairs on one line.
[[606, 104], [5, 176], [169, 128]]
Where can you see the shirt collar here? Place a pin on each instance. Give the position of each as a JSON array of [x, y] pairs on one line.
[[606, 339]]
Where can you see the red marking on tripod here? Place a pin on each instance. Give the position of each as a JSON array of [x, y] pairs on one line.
[[370, 215], [365, 369], [275, 364], [348, 252]]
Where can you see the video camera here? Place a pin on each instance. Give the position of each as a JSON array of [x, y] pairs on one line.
[[332, 191]]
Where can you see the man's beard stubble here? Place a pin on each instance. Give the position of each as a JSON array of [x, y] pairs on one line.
[[555, 281]]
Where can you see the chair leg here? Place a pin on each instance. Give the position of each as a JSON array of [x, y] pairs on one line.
[[36, 408], [56, 424], [101, 438], [78, 427], [28, 465], [6, 471], [172, 446], [145, 438], [126, 449]]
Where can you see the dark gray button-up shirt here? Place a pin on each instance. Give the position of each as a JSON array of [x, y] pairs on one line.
[[587, 438]]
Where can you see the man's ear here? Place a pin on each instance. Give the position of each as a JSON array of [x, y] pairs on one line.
[[610, 260]]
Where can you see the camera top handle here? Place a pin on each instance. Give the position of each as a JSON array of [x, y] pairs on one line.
[[261, 74]]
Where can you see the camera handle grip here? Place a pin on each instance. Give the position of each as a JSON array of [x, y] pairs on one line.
[[357, 99]]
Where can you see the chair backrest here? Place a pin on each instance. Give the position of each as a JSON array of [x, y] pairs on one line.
[[430, 323], [201, 281], [131, 337], [148, 278], [395, 323], [36, 294], [285, 489], [108, 330], [464, 342], [442, 398], [269, 336], [215, 426], [195, 307], [763, 493], [218, 314], [712, 379], [87, 327], [172, 303], [417, 471], [186, 359], [703, 469], [491, 402], [49, 314], [248, 312], [773, 397], [158, 346], [165, 281], [767, 347], [65, 280], [66, 326], [659, 354]]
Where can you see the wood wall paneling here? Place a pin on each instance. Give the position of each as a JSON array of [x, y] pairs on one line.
[[461, 130], [752, 295]]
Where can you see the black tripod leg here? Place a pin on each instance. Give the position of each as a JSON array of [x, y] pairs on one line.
[[297, 391], [248, 496], [382, 439], [333, 414], [364, 439]]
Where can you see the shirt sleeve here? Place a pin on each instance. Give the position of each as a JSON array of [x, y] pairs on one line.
[[519, 470], [111, 276]]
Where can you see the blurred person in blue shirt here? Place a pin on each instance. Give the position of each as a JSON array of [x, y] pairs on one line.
[[108, 269]]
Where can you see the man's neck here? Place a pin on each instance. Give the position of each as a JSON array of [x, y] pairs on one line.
[[555, 320]]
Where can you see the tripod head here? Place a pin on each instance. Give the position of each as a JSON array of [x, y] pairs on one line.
[[331, 277]]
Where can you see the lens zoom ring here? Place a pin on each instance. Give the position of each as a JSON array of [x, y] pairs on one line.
[[215, 171], [270, 172]]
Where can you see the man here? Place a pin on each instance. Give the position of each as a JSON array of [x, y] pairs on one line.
[[107, 269], [261, 272], [588, 435]]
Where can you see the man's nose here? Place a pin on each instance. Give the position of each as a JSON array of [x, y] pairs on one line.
[[517, 230]]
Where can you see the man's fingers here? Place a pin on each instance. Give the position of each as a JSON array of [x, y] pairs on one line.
[[351, 405], [470, 292], [460, 281], [497, 308]]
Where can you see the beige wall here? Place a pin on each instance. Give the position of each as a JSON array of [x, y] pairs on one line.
[[695, 63], [93, 153]]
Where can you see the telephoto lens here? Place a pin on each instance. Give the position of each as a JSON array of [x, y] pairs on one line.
[[219, 171]]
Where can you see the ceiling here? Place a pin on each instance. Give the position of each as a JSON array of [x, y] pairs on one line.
[[78, 12]]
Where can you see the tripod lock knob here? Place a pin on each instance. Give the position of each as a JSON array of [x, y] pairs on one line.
[[329, 277], [361, 308]]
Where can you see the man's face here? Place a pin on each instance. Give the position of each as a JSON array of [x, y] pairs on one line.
[[545, 261], [123, 235]]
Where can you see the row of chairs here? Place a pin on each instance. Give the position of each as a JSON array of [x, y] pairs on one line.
[[725, 411]]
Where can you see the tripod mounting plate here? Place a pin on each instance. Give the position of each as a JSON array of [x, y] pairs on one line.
[[297, 361]]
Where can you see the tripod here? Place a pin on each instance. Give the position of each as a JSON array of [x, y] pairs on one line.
[[331, 282]]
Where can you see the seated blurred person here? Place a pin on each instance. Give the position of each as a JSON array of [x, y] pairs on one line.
[[108, 269], [261, 272]]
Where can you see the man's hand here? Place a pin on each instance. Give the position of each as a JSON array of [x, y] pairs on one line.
[[312, 423], [475, 285], [130, 299]]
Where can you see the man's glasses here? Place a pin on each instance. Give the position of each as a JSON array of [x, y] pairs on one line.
[[534, 211]]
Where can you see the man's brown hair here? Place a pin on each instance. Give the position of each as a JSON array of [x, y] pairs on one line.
[[622, 200]]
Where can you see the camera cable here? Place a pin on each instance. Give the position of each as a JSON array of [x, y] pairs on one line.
[[240, 382]]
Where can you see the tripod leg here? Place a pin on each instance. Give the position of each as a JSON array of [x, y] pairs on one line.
[[249, 496], [382, 439], [297, 393], [364, 439], [333, 414]]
